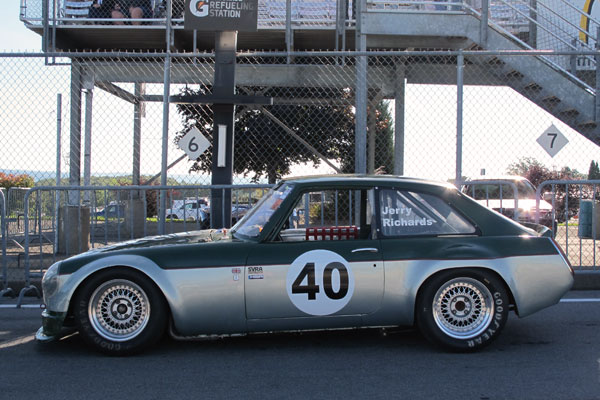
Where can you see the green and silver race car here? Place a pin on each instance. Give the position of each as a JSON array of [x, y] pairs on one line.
[[316, 253]]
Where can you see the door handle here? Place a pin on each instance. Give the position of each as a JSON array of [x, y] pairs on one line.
[[366, 249]]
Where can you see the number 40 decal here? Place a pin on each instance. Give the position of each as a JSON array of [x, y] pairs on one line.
[[311, 288], [320, 282]]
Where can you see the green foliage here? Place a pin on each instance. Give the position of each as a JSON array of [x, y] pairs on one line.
[[10, 180], [265, 149], [384, 139], [594, 171], [537, 173]]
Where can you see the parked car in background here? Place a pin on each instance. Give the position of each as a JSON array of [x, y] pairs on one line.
[[190, 209], [113, 210], [368, 251], [498, 194]]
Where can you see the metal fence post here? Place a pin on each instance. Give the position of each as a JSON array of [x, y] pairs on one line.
[[360, 145], [596, 98], [5, 289], [483, 27], [28, 286], [459, 115]]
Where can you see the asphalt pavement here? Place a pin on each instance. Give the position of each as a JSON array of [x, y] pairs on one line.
[[554, 354]]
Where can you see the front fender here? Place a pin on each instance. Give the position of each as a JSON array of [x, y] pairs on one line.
[[68, 283]]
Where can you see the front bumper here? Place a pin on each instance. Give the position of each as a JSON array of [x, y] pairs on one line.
[[52, 326]]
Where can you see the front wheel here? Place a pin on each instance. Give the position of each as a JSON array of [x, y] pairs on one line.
[[120, 312], [462, 310]]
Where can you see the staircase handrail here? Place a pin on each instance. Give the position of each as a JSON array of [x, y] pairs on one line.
[[542, 58]]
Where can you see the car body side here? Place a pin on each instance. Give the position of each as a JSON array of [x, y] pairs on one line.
[[196, 273]]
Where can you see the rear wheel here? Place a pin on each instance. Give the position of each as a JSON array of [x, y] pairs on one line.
[[462, 310], [120, 312]]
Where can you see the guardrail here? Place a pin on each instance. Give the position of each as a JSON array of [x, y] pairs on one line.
[[567, 197], [81, 217]]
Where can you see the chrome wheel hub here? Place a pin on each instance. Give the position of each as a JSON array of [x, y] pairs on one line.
[[463, 308], [119, 310]]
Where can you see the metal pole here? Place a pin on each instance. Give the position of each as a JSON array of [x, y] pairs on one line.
[[137, 132], [288, 28], [87, 148], [58, 171], [483, 27], [75, 133], [45, 26], [573, 58], [360, 145], [597, 98], [399, 110], [165, 145], [165, 134], [223, 128], [459, 117], [533, 23], [372, 128]]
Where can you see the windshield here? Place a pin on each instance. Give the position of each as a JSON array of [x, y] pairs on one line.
[[256, 219]]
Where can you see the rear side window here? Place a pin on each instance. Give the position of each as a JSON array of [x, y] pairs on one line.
[[403, 213]]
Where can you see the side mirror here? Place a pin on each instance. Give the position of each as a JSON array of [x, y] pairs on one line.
[[548, 197]]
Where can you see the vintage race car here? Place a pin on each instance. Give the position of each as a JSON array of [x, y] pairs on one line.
[[316, 253]]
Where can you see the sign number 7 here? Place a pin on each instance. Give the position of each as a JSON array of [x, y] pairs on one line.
[[553, 136]]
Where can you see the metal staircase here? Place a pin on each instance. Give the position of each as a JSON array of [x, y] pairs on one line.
[[553, 82]]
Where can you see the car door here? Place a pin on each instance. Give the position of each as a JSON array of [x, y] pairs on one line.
[[320, 272]]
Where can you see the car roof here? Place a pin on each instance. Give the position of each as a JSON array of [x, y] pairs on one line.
[[360, 180], [499, 178]]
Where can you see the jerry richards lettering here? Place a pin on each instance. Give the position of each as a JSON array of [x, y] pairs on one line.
[[401, 216]]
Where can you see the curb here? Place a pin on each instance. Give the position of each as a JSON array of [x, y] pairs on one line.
[[587, 280]]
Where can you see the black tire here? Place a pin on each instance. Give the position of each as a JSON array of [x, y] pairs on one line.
[[137, 317], [462, 310]]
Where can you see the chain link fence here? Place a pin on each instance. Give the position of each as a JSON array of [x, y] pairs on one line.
[[113, 122], [97, 119]]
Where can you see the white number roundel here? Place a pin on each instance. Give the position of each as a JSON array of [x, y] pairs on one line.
[[320, 282]]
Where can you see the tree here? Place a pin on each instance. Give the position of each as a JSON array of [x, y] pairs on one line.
[[537, 173], [10, 180], [384, 139], [265, 149], [594, 171]]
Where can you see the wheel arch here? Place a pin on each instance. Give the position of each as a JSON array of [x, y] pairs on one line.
[[117, 268], [469, 268], [138, 264]]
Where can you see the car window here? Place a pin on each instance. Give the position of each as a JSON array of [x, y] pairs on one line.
[[480, 191], [404, 213], [335, 214], [255, 220]]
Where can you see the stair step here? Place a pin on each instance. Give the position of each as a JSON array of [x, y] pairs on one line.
[[570, 112], [587, 125], [533, 86], [495, 61], [550, 101], [514, 74]]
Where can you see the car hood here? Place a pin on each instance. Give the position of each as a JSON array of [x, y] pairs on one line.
[[207, 235]]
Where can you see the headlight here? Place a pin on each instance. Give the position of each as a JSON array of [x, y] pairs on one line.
[[50, 281]]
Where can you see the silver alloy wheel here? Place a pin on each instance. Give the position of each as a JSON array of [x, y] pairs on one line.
[[463, 308], [119, 310]]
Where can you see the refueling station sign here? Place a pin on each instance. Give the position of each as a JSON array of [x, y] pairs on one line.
[[221, 15]]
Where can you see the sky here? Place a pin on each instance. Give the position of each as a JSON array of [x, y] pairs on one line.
[[500, 126], [14, 36]]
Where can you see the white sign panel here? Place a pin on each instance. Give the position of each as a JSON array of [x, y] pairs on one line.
[[552, 140], [193, 143]]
